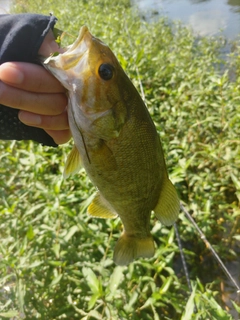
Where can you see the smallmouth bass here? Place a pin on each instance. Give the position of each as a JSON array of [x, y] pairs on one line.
[[117, 144]]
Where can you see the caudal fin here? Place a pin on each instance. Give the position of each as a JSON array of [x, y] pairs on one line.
[[129, 248]]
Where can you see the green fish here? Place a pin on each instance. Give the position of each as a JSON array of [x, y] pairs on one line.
[[117, 144]]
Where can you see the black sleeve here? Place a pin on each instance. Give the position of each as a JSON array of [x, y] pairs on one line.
[[21, 36]]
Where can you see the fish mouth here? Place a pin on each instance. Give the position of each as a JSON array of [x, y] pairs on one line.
[[82, 34], [74, 56], [76, 52]]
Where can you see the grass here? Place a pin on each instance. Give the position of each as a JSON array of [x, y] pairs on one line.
[[56, 262]]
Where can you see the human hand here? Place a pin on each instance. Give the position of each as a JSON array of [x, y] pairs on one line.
[[40, 97]]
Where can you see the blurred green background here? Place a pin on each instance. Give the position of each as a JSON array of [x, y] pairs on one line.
[[56, 261]]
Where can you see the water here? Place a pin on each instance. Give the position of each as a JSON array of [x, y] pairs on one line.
[[4, 6], [205, 17]]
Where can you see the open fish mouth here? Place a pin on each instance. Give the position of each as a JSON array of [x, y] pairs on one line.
[[82, 34], [75, 58]]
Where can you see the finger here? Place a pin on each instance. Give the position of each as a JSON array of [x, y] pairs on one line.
[[60, 137], [49, 45], [58, 122], [41, 103], [29, 77]]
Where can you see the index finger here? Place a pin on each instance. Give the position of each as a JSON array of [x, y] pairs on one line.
[[29, 77]]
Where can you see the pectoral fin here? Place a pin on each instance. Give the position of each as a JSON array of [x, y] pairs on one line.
[[104, 156], [99, 208], [168, 206], [73, 163]]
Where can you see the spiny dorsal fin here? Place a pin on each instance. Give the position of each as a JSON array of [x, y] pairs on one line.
[[99, 208], [168, 206], [73, 163]]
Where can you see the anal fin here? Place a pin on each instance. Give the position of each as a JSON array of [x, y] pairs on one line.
[[73, 163], [168, 206], [99, 208]]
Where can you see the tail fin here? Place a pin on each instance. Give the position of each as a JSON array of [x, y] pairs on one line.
[[129, 248]]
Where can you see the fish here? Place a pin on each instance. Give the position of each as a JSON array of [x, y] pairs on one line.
[[116, 142]]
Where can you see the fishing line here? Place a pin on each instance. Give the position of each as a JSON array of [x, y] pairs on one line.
[[136, 67], [184, 263], [209, 246], [203, 237], [185, 268]]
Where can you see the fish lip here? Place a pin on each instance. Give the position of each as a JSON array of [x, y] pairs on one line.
[[81, 35]]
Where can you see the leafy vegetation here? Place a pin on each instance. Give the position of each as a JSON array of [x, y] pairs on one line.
[[56, 262]]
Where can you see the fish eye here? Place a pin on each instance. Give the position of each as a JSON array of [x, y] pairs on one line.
[[106, 71]]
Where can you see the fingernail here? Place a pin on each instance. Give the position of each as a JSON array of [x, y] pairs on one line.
[[10, 74], [29, 118]]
